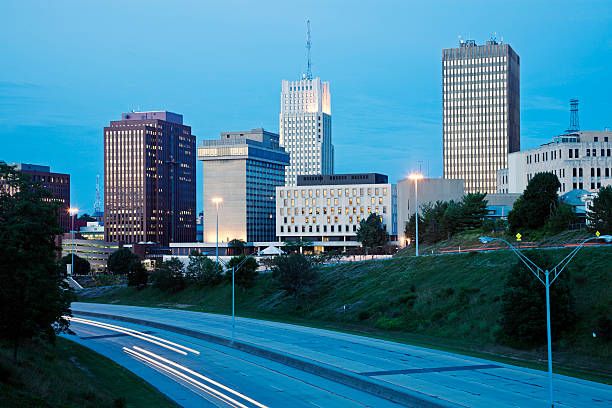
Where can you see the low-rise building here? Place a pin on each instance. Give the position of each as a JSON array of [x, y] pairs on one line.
[[92, 230], [95, 251], [329, 208], [430, 190], [580, 160]]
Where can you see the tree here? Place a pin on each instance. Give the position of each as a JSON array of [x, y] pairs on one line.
[[245, 276], [473, 210], [236, 246], [86, 218], [138, 275], [561, 219], [121, 261], [523, 314], [168, 276], [81, 265], [33, 294], [371, 232], [600, 212], [203, 271], [295, 273], [532, 209]]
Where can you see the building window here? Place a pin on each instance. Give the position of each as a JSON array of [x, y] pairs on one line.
[[571, 154]]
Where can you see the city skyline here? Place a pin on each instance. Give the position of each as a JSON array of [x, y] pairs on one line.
[[386, 78]]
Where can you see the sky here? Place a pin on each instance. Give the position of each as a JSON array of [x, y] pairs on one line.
[[67, 68]]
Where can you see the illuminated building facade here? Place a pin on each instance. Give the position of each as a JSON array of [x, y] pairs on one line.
[[481, 112], [242, 169], [305, 127], [149, 179]]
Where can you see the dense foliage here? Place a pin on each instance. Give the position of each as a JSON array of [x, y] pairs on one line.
[[295, 273], [168, 276], [138, 275], [534, 207], [246, 273], [203, 271], [443, 219], [82, 265], [600, 214], [371, 232], [121, 261], [33, 294], [523, 314]]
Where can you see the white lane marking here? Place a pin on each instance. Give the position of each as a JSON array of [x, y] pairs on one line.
[[196, 374], [143, 334], [218, 394], [138, 335]]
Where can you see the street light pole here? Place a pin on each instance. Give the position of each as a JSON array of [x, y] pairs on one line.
[[416, 177], [72, 212], [217, 201], [235, 269], [547, 282]]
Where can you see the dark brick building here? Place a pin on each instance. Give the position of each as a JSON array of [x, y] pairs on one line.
[[149, 179]]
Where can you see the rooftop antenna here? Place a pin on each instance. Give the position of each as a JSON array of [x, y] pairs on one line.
[[98, 202], [574, 125], [308, 44]]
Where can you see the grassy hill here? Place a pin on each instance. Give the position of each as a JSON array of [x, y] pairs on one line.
[[70, 375], [451, 302]]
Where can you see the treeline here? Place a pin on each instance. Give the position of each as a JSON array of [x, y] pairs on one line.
[[443, 219]]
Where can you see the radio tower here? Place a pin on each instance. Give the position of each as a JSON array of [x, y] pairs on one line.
[[98, 202], [574, 125], [309, 65]]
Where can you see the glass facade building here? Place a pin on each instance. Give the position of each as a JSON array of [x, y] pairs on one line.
[[149, 179], [481, 112], [305, 127], [242, 169]]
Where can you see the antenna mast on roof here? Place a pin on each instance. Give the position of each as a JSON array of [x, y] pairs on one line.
[[98, 202], [308, 44]]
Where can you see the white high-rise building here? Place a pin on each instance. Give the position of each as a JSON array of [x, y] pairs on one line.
[[305, 127]]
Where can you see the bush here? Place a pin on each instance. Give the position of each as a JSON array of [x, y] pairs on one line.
[[168, 276], [82, 265], [138, 276], [247, 273], [203, 271], [295, 273], [523, 314], [121, 261], [560, 219]]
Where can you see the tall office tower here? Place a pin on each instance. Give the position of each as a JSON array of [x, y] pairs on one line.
[[149, 179], [242, 169], [305, 125], [481, 100]]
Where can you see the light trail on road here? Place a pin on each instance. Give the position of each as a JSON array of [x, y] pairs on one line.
[[139, 353], [195, 373], [178, 348]]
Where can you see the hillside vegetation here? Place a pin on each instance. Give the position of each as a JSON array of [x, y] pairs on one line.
[[449, 301]]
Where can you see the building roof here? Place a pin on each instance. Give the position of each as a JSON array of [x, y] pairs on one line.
[[340, 179]]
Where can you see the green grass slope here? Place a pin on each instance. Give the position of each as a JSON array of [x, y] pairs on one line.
[[69, 375], [451, 302]]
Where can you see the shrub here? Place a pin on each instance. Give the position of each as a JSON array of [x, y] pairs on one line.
[[138, 276], [247, 272], [295, 273], [168, 276]]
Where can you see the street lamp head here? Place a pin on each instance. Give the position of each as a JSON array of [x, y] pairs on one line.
[[485, 240], [607, 238], [73, 211], [217, 200], [415, 176]]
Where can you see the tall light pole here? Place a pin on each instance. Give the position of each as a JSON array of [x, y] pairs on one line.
[[547, 281], [217, 201], [73, 212], [416, 177]]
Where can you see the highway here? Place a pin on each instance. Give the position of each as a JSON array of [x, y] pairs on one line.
[[269, 372], [195, 373]]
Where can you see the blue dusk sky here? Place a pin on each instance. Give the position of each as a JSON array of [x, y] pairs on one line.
[[69, 67]]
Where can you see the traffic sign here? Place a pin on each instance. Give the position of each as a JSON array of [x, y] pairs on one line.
[[518, 236]]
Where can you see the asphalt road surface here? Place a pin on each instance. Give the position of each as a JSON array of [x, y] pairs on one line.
[[450, 379]]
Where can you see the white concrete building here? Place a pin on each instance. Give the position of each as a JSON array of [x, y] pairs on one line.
[[305, 127], [581, 160], [95, 251], [430, 190], [329, 208]]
